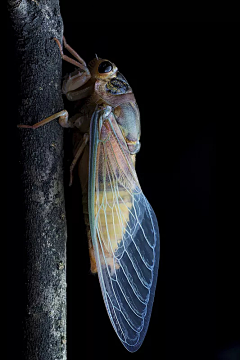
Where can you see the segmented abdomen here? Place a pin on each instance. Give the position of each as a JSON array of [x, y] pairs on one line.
[[112, 215]]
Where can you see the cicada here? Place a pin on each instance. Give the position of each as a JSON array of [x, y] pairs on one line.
[[122, 229]]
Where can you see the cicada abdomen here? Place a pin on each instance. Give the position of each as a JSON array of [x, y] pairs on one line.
[[113, 202]]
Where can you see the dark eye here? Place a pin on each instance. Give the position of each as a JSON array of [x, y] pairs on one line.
[[105, 67]]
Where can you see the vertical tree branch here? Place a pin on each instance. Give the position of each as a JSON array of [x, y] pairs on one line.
[[36, 23]]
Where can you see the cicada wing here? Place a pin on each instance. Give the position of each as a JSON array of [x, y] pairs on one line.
[[124, 233]]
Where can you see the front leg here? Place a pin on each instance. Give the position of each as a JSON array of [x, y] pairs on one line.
[[73, 85], [74, 82]]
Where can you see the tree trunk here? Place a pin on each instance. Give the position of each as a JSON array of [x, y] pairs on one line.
[[35, 24]]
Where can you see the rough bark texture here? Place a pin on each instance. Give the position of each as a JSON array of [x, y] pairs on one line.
[[35, 25]]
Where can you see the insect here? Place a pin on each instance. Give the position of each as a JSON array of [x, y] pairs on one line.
[[122, 229]]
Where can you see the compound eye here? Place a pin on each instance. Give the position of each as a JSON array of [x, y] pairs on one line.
[[105, 67]]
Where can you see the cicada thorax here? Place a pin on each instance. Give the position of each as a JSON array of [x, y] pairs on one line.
[[117, 93], [117, 85]]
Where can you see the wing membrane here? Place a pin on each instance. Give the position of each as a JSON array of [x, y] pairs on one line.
[[124, 232]]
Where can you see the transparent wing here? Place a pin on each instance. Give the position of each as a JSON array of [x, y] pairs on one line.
[[124, 232]]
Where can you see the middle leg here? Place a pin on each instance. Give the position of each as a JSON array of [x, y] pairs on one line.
[[80, 148]]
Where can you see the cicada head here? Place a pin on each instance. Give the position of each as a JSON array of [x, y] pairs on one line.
[[102, 69]]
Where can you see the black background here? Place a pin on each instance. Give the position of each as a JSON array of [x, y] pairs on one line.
[[176, 72]]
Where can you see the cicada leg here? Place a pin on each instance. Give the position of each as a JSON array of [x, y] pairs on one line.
[[73, 83], [73, 52], [68, 59], [77, 78], [78, 153], [63, 121]]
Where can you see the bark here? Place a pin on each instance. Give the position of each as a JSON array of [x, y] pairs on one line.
[[35, 24]]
